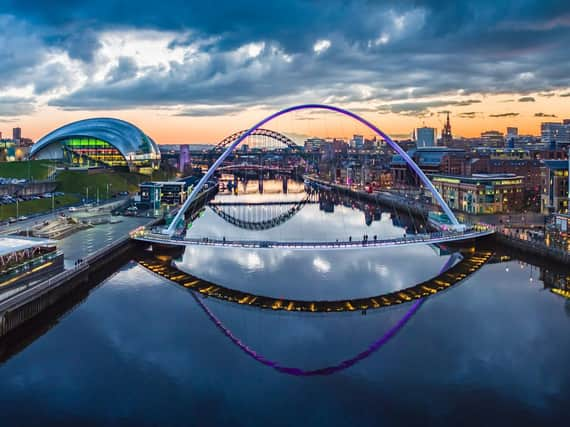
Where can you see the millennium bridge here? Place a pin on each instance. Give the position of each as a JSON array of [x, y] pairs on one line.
[[408, 240], [172, 233]]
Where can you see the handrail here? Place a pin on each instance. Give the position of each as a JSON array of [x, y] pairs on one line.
[[432, 237]]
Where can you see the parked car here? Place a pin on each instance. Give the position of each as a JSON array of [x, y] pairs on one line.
[[72, 209]]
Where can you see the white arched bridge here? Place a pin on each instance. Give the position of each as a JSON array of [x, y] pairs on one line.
[[454, 231]]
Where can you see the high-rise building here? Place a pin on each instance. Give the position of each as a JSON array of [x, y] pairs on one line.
[[492, 138], [314, 144], [446, 136], [357, 141], [555, 186], [555, 132], [425, 137], [16, 134], [512, 136], [183, 157]]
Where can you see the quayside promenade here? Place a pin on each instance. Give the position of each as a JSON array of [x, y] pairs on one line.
[[416, 208]]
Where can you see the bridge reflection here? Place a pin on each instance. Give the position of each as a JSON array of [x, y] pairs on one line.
[[458, 267], [264, 216], [472, 261]]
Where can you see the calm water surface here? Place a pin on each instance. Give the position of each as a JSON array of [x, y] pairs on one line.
[[493, 350]]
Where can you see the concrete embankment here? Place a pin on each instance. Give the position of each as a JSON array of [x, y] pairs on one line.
[[534, 248], [26, 305]]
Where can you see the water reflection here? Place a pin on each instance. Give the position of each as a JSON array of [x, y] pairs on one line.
[[454, 272], [301, 215], [140, 351]]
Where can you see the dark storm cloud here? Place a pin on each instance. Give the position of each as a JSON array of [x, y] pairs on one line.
[[422, 107], [467, 102], [125, 69], [469, 114], [544, 115], [527, 99], [214, 111], [504, 115], [399, 49]]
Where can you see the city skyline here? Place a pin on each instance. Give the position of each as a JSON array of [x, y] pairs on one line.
[[198, 76]]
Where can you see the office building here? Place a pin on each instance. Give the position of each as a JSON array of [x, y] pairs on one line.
[[555, 132], [425, 137], [554, 198], [481, 193], [17, 134], [492, 138], [155, 194], [357, 142], [557, 233]]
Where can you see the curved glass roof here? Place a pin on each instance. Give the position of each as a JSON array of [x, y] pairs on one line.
[[124, 136]]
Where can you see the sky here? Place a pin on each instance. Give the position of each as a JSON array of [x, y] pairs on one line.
[[186, 71]]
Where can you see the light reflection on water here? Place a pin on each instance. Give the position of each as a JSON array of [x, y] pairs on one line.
[[491, 351]]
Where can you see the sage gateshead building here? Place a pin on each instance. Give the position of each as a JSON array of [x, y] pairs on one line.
[[99, 142]]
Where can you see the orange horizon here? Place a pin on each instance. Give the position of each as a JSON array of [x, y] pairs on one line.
[[166, 128]]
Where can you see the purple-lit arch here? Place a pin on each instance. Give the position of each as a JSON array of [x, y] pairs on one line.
[[425, 180], [332, 369]]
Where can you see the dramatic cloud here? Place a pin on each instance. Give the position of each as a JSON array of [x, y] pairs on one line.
[[400, 55], [125, 69], [504, 115]]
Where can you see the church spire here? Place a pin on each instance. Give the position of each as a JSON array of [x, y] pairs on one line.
[[446, 136]]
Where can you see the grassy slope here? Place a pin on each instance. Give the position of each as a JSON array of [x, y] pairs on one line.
[[33, 169], [77, 182], [33, 206]]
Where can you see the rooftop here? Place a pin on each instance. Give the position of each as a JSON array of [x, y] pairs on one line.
[[9, 244], [556, 164], [501, 178]]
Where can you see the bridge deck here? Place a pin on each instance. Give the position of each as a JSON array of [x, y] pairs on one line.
[[426, 239], [277, 203]]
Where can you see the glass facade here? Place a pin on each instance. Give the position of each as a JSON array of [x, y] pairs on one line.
[[100, 142], [91, 152]]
